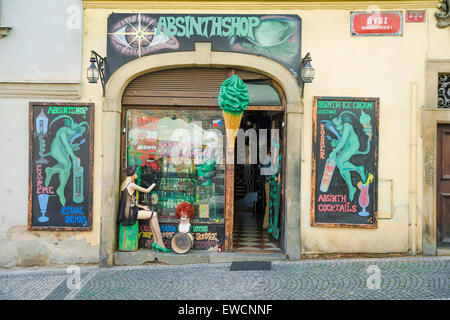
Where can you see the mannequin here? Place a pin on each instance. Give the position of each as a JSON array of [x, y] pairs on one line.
[[130, 210]]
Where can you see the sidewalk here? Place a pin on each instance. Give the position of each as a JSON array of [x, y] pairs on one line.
[[399, 278]]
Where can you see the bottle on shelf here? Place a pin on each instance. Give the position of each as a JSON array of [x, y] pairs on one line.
[[164, 166]]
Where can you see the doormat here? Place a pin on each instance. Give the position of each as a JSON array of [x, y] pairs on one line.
[[250, 265]]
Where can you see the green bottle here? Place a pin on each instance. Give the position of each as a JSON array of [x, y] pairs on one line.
[[78, 195]]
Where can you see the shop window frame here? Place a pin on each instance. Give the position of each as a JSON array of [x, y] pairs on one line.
[[229, 174]]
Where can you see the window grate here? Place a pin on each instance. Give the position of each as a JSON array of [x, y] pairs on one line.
[[444, 90]]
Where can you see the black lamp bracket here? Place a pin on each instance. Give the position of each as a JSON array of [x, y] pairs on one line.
[[305, 59], [100, 62]]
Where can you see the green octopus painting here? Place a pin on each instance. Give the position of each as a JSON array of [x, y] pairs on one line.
[[63, 149], [347, 145]]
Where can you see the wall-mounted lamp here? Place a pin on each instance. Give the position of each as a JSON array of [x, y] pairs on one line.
[[96, 69], [307, 71], [4, 31]]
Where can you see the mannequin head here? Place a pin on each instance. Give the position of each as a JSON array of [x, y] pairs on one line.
[[185, 211], [130, 171]]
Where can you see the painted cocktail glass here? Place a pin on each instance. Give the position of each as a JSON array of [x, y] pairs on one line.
[[364, 200], [43, 201]]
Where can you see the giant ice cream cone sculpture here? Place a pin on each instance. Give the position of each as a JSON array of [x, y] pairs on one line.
[[233, 100]]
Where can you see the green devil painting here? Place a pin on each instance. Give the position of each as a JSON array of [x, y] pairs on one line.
[[346, 145], [62, 149]]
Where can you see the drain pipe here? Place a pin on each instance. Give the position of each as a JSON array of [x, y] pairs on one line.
[[412, 172]]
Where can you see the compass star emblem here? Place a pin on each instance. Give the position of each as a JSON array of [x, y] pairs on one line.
[[136, 35]]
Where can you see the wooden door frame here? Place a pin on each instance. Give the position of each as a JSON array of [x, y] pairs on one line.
[[229, 182], [441, 127], [430, 116], [229, 173]]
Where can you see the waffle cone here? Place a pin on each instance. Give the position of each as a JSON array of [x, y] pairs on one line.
[[232, 124]]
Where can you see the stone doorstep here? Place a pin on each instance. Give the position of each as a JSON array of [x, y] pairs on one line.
[[443, 251], [147, 257]]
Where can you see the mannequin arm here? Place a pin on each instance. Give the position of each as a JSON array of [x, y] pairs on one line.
[[143, 207], [135, 187]]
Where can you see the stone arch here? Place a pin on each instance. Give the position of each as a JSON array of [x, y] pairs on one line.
[[201, 57]]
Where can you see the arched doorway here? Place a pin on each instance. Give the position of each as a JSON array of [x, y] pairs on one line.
[[201, 57], [176, 111]]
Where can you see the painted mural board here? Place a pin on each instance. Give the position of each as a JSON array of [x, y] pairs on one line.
[[61, 145], [345, 162], [134, 35]]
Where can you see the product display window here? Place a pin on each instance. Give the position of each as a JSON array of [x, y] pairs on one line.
[[182, 151]]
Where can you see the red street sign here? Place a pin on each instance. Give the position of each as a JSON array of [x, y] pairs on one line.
[[415, 16], [376, 23]]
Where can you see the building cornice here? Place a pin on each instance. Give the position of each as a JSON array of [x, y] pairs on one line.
[[42, 90], [257, 4]]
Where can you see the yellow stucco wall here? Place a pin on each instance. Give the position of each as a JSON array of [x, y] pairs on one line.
[[383, 67]]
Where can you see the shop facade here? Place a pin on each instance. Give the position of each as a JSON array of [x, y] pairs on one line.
[[389, 90], [205, 114], [397, 227]]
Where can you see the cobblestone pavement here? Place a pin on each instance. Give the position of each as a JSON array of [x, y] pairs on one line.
[[400, 278]]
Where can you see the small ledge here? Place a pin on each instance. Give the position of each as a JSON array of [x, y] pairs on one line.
[[60, 90], [147, 257], [4, 31], [443, 251]]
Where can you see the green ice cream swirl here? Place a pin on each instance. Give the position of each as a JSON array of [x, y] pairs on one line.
[[233, 97], [364, 118]]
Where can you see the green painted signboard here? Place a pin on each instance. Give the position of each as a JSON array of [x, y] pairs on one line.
[[61, 166], [135, 35], [345, 162]]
